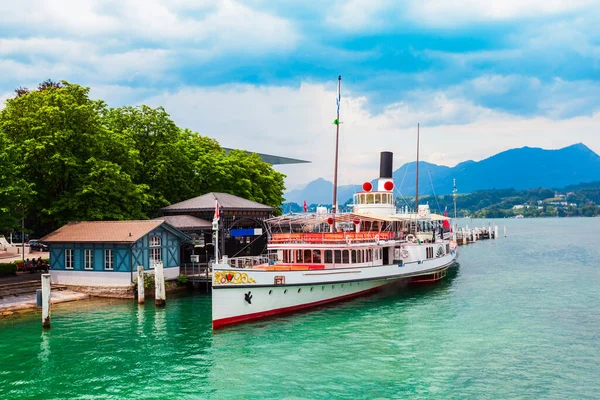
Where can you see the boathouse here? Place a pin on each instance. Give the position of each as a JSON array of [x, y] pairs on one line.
[[242, 226], [107, 253]]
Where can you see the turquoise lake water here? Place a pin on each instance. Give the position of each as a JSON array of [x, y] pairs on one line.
[[517, 318]]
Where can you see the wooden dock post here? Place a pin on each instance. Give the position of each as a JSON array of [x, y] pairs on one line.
[[474, 235], [464, 236], [159, 284], [140, 284], [46, 293], [495, 231]]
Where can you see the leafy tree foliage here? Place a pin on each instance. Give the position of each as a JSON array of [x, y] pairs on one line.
[[65, 157]]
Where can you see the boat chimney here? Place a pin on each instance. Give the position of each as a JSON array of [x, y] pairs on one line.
[[386, 164], [385, 183]]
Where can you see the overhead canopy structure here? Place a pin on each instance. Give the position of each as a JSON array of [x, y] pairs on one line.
[[305, 220], [273, 160]]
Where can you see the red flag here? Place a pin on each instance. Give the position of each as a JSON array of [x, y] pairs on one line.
[[216, 209], [305, 206]]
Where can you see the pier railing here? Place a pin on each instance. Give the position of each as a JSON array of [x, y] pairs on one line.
[[196, 271]]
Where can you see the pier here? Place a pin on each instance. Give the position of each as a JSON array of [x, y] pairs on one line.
[[468, 235]]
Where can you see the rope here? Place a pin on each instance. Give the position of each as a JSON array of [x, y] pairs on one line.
[[433, 190]]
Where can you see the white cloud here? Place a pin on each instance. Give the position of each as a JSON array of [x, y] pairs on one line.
[[443, 13], [297, 122], [154, 20]]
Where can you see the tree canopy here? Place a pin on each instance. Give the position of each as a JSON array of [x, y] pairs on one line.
[[65, 157]]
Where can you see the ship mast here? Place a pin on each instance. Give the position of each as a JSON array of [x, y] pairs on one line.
[[454, 193], [417, 183], [337, 138]]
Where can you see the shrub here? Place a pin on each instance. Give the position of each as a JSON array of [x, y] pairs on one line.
[[8, 269], [182, 280]]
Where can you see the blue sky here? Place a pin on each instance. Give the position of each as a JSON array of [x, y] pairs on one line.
[[480, 77]]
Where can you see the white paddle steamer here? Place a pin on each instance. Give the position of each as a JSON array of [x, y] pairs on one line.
[[324, 257]]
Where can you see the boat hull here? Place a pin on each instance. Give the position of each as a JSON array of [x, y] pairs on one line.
[[243, 295]]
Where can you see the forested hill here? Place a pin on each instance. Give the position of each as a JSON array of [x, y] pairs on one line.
[[523, 168], [580, 200], [65, 157]]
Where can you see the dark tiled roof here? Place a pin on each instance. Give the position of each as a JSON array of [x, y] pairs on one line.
[[186, 222], [206, 202], [104, 231]]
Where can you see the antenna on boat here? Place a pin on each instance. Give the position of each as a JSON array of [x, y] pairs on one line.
[[417, 184], [337, 137], [454, 194]]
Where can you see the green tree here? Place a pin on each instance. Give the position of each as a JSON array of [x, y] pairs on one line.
[[76, 166]]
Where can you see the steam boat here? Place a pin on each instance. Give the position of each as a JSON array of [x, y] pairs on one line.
[[325, 257]]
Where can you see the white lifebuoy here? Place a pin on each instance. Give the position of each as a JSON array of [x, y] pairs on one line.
[[376, 238], [348, 239], [411, 238], [404, 253]]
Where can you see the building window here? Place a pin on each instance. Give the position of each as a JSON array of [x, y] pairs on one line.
[[69, 259], [89, 259], [108, 260], [155, 250]]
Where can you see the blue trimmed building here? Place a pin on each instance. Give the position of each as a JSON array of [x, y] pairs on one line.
[[107, 253]]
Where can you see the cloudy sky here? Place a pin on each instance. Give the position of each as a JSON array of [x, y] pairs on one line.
[[479, 77]]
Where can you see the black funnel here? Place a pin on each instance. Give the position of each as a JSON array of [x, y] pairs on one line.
[[386, 164]]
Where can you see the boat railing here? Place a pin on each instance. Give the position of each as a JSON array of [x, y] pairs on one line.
[[334, 237], [250, 261]]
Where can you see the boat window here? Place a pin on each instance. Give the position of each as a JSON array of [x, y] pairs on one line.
[[286, 256], [376, 251], [345, 257], [378, 198], [307, 256], [370, 198], [369, 255], [328, 257], [298, 256], [316, 256], [353, 256], [338, 256]]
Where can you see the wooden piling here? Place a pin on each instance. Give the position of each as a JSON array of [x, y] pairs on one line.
[[159, 283], [140, 284], [46, 293]]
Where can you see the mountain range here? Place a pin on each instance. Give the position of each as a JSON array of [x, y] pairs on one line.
[[522, 168]]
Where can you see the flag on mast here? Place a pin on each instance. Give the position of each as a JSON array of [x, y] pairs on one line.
[[338, 99], [216, 217], [305, 206]]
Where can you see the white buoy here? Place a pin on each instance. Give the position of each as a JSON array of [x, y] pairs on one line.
[[159, 283], [46, 293], [140, 284], [495, 231], [464, 236]]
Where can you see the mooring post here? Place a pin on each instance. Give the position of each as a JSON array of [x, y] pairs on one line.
[[46, 293], [474, 235], [504, 230], [140, 284], [495, 231], [464, 236], [159, 283]]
